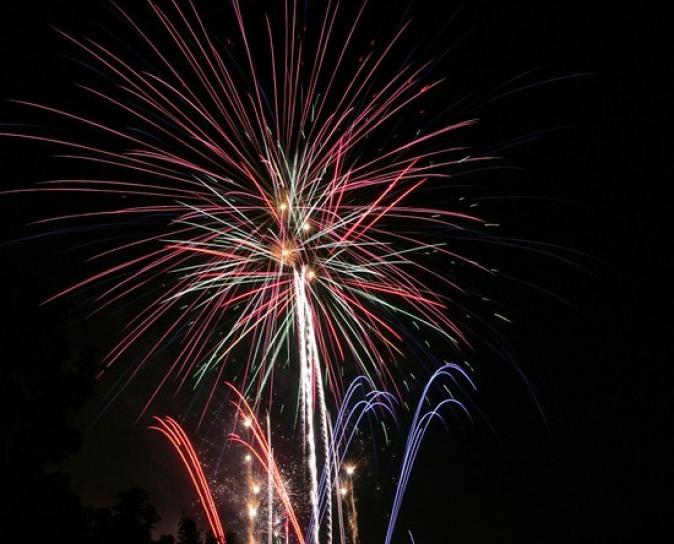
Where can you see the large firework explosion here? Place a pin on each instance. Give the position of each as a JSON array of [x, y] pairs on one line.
[[282, 224]]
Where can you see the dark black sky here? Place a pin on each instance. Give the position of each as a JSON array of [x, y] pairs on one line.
[[595, 180]]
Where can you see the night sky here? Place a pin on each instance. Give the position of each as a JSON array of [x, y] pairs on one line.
[[575, 448]]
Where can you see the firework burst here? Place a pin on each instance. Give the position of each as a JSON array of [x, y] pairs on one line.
[[273, 203], [278, 229]]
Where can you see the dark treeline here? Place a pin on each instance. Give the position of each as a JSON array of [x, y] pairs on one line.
[[42, 383], [131, 520]]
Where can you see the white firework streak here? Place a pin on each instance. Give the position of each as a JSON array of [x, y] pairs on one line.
[[307, 368], [311, 376]]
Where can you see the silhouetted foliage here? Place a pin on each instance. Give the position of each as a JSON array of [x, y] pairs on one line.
[[210, 539], [41, 385], [188, 533], [39, 388], [133, 517], [99, 521]]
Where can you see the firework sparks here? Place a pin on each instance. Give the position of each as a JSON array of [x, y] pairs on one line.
[[270, 210], [259, 449], [350, 414], [277, 231]]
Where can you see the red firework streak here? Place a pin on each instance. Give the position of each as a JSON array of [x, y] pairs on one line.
[[170, 428], [259, 449]]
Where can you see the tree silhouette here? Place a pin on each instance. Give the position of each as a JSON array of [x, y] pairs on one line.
[[43, 381], [99, 521], [210, 539], [133, 517], [188, 533], [232, 538], [41, 385]]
